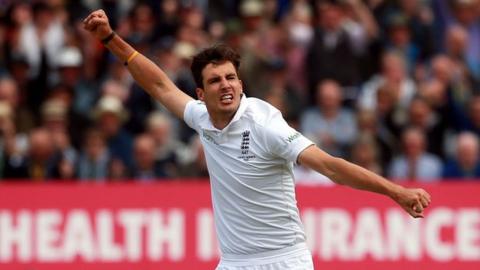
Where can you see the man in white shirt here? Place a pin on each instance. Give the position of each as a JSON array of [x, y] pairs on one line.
[[250, 152]]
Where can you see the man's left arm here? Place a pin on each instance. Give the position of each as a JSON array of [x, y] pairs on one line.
[[345, 173]]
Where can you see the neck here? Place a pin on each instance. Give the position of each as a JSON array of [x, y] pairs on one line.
[[220, 121]]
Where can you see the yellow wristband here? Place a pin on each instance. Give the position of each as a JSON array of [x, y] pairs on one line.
[[130, 58]]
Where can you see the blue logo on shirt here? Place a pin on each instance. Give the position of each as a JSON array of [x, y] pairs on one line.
[[245, 146]]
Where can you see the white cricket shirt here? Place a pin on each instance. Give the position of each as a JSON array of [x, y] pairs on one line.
[[250, 163]]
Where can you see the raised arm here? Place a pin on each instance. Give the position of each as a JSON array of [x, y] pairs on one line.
[[148, 75], [345, 173]]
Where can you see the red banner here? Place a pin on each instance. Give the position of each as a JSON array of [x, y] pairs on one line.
[[170, 226]]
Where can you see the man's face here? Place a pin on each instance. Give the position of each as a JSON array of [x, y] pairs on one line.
[[144, 152], [414, 143], [109, 123], [222, 89]]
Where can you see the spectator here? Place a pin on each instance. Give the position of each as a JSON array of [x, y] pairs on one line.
[[473, 120], [455, 70], [76, 123], [137, 103], [442, 85], [332, 127], [370, 125], [146, 168], [424, 118], [55, 120], [18, 70], [54, 115], [169, 151], [463, 13], [41, 39], [400, 41], [394, 74], [67, 156], [415, 164], [298, 25], [42, 161], [94, 161], [259, 40], [338, 44], [109, 116], [69, 63], [9, 92], [365, 153], [448, 91], [12, 146], [418, 18], [281, 89], [168, 20], [391, 115], [456, 45], [142, 22], [466, 163]]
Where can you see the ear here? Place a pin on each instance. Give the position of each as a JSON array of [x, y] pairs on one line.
[[241, 87], [200, 93]]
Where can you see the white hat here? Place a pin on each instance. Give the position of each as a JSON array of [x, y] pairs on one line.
[[69, 57], [54, 110], [110, 104], [184, 50], [251, 8]]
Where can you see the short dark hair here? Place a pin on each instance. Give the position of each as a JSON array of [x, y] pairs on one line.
[[216, 54]]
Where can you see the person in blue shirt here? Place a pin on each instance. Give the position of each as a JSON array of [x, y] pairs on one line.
[[466, 163]]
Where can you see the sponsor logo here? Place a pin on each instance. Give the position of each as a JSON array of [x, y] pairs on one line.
[[293, 137]]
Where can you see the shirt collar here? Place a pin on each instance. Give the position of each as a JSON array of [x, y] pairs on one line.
[[238, 114]]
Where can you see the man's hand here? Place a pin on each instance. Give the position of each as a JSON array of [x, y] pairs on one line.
[[97, 24], [414, 201]]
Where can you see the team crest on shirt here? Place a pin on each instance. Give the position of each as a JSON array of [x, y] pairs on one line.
[[245, 147]]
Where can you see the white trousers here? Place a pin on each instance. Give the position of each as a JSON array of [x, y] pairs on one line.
[[294, 258]]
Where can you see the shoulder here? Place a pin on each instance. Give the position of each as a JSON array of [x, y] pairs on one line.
[[195, 112], [196, 105], [278, 136], [261, 113]]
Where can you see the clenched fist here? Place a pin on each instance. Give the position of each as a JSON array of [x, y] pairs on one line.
[[414, 201], [97, 24]]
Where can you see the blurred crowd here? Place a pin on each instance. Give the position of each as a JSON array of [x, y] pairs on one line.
[[392, 86]]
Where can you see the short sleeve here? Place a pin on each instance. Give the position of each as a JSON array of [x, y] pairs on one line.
[[193, 110], [284, 141]]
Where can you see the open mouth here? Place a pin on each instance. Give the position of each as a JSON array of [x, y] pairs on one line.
[[226, 99]]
